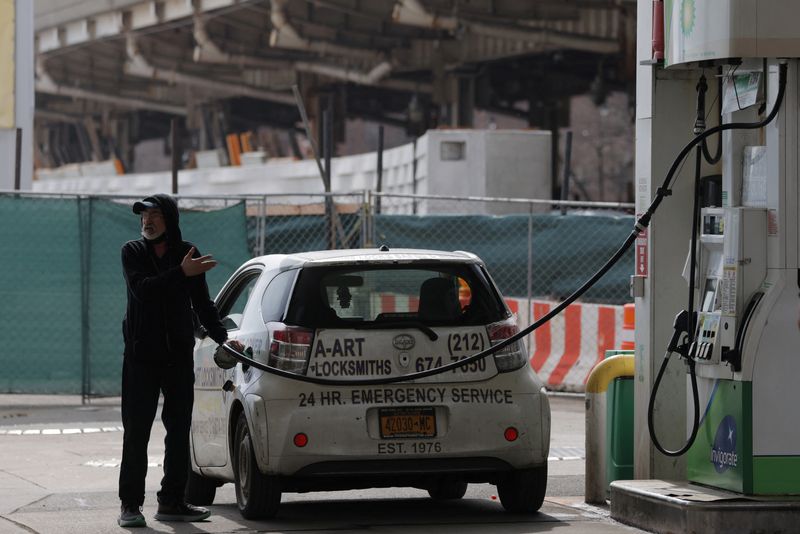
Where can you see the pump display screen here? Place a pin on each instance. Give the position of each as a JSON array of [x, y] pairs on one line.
[[708, 295]]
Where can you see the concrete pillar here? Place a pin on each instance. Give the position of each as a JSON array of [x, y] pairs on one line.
[[465, 100], [16, 90], [665, 114]]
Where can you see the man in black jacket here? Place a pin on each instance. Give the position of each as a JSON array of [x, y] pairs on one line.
[[165, 278]]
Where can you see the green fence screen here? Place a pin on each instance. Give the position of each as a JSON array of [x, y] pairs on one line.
[[63, 293]]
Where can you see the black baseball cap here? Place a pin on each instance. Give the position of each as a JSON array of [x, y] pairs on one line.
[[145, 204]]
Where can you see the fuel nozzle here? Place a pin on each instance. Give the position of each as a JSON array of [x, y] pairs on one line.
[[680, 334]]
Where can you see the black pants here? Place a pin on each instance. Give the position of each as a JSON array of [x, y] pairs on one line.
[[141, 385]]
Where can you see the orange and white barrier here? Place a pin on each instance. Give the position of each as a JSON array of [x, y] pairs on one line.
[[564, 350]]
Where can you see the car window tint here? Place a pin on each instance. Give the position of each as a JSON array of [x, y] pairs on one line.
[[457, 294], [273, 303], [235, 301]]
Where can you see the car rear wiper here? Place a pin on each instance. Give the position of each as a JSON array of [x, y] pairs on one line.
[[427, 330]]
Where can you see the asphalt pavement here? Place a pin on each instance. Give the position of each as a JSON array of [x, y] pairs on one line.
[[59, 464]]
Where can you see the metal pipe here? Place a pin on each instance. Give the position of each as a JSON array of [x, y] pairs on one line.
[[128, 102], [327, 139], [85, 238], [529, 282], [18, 161], [414, 175], [379, 170], [571, 203], [176, 154], [525, 201], [567, 170], [327, 129], [262, 226], [307, 125], [373, 77]]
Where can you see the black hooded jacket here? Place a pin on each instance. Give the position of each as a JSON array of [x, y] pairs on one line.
[[162, 302]]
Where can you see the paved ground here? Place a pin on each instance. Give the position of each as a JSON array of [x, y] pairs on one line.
[[59, 463]]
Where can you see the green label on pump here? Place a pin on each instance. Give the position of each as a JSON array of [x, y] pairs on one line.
[[722, 454]]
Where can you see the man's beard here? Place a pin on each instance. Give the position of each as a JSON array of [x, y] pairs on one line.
[[154, 239]]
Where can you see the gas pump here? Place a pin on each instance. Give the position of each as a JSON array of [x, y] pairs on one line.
[[746, 338], [741, 340], [732, 267]]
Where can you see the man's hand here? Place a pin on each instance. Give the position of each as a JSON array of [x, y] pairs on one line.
[[225, 360], [194, 266]]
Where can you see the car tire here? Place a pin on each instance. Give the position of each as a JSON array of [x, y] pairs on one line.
[[523, 491], [448, 489], [258, 496], [200, 490]]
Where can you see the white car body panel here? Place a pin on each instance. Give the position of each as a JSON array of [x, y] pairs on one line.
[[472, 409]]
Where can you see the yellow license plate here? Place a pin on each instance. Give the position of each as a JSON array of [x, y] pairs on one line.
[[407, 422]]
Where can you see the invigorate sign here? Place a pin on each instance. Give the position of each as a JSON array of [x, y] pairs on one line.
[[723, 452]]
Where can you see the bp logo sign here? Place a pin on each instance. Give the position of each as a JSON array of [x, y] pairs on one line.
[[723, 452], [687, 17]]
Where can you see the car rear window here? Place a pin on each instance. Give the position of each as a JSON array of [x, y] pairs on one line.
[[458, 294]]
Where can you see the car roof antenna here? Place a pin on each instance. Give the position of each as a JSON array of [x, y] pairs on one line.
[[384, 248]]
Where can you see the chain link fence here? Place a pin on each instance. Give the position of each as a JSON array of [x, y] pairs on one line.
[[63, 292], [534, 249]]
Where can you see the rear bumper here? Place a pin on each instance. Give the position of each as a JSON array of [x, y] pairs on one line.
[[471, 419], [424, 473], [440, 466]]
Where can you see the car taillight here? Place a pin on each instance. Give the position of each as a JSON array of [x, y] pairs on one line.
[[512, 356], [290, 348]]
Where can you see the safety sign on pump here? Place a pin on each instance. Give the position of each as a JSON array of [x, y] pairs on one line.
[[641, 252]]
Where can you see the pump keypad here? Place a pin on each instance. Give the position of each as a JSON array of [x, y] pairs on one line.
[[707, 326]]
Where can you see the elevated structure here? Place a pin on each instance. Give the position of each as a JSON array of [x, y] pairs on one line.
[[111, 73]]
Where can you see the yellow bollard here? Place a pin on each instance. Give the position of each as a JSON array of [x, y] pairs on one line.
[[596, 388]]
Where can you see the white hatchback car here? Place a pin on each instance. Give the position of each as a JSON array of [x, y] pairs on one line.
[[343, 317]]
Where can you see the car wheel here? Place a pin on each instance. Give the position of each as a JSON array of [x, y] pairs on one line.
[[200, 490], [523, 490], [448, 489], [258, 496]]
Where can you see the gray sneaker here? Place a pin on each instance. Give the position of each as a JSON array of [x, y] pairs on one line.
[[181, 512], [130, 515]]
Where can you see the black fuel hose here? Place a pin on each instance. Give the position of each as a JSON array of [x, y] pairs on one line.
[[690, 328], [700, 123], [641, 224]]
